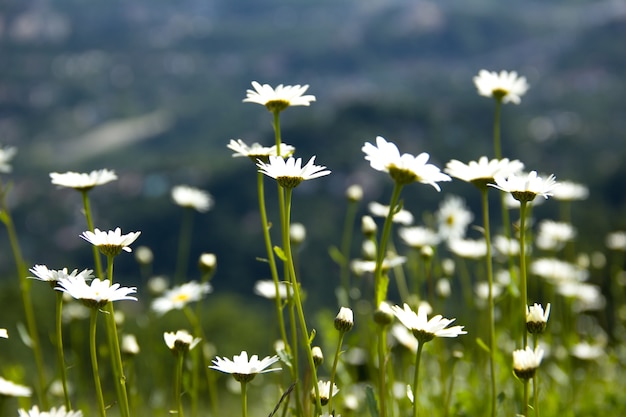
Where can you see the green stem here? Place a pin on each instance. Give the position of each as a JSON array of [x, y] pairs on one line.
[[418, 356], [88, 217], [29, 312], [298, 300], [244, 399], [178, 382], [94, 361], [382, 366], [346, 243], [526, 393], [522, 261], [60, 354], [184, 244], [333, 372], [492, 330], [194, 320], [114, 346], [497, 147]]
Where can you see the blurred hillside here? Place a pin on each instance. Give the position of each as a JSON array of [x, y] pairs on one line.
[[153, 89]]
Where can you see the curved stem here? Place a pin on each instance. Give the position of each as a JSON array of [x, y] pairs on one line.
[[333, 373], [522, 261], [94, 361], [60, 354], [492, 330], [418, 356]]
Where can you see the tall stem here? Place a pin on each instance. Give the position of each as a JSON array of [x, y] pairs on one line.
[[88, 217], [184, 243], [382, 367], [94, 361], [333, 372], [29, 312], [114, 346], [60, 354], [244, 399], [492, 330], [178, 382], [522, 261], [418, 356], [497, 147], [298, 300]]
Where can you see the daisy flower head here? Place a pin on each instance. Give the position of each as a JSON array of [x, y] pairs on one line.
[[267, 289], [180, 342], [82, 181], [244, 369], [4, 334], [403, 169], [537, 318], [344, 320], [419, 236], [42, 273], [525, 187], [468, 248], [179, 296], [616, 240], [570, 191], [360, 266], [453, 217], [53, 412], [110, 243], [504, 86], [6, 154], [290, 173], [96, 294], [423, 329], [526, 361], [129, 345], [257, 151], [400, 216], [481, 172], [324, 389], [11, 389], [191, 197], [554, 235], [279, 98]]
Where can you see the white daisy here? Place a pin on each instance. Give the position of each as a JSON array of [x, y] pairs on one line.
[[405, 168], [525, 187], [244, 369], [587, 351], [181, 341], [422, 328], [360, 266], [290, 173], [505, 86], [453, 217], [554, 235], [53, 412], [195, 198], [110, 243], [506, 246], [557, 271], [616, 240], [279, 98], [267, 289], [419, 236], [83, 181], [129, 345], [325, 391], [4, 334], [570, 191], [6, 154], [536, 318], [484, 170], [401, 216], [526, 361], [468, 248], [179, 296], [42, 273], [257, 151], [11, 389], [96, 294]]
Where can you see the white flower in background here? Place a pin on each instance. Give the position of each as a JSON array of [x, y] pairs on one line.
[[525, 187], [403, 169], [267, 289], [557, 271], [368, 226], [554, 235], [279, 98], [244, 369], [570, 191], [537, 318], [354, 193], [157, 284], [257, 151], [482, 291], [360, 267], [42, 273], [505, 86], [586, 297], [506, 246], [481, 172], [588, 352], [468, 248], [207, 262], [144, 255], [4, 334], [191, 197], [179, 296], [324, 388], [404, 337], [129, 345], [6, 154], [181, 341], [443, 288], [616, 240], [290, 173], [453, 217], [83, 181], [96, 294], [11, 389], [111, 243], [54, 412], [419, 236], [402, 216], [422, 328], [526, 361], [297, 233]]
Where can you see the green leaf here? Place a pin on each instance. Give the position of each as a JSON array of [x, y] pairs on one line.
[[371, 401], [312, 336], [483, 345], [280, 253], [336, 255]]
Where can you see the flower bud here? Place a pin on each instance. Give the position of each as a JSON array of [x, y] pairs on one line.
[[344, 320], [383, 314], [318, 356], [354, 193], [368, 226], [297, 233], [207, 263]]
